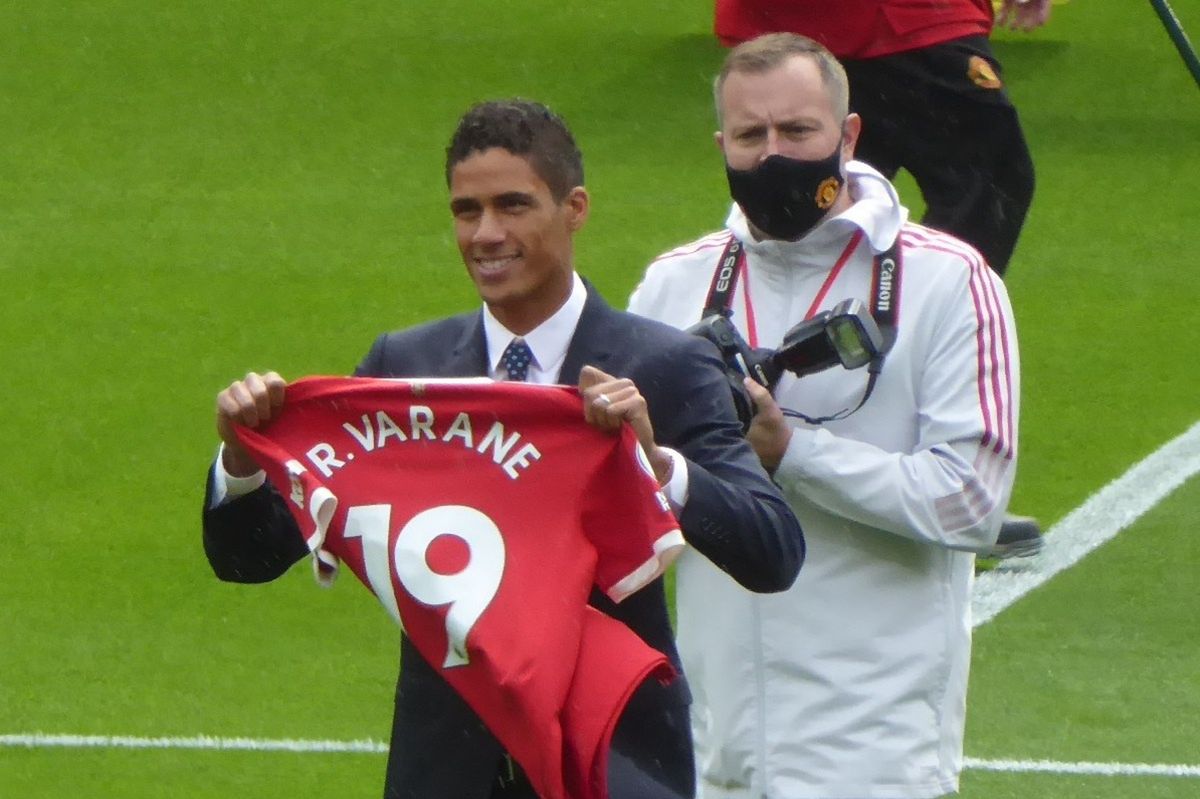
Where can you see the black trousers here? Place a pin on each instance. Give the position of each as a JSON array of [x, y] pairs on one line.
[[941, 113], [626, 780], [644, 727]]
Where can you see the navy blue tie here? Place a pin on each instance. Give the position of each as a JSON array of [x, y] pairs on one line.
[[516, 359]]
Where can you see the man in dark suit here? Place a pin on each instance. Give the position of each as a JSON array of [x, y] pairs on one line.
[[517, 196]]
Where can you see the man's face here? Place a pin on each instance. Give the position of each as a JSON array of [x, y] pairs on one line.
[[785, 111], [514, 238]]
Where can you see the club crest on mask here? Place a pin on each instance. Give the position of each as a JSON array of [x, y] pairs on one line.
[[786, 197], [827, 192]]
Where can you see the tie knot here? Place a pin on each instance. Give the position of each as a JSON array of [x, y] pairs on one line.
[[516, 359]]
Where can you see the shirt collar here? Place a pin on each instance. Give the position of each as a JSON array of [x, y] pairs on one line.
[[548, 341]]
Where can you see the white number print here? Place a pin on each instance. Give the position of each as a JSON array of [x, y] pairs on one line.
[[468, 592], [371, 523]]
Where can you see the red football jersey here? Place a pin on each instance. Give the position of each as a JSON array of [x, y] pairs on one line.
[[481, 514]]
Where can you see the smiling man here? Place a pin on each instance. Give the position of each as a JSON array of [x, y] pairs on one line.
[[515, 233], [516, 194]]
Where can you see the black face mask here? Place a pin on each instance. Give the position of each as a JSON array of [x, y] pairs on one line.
[[785, 197]]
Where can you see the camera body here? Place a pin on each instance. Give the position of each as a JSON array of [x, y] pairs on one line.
[[846, 335]]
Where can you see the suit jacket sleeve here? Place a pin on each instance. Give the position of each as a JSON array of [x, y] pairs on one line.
[[253, 538], [734, 515]]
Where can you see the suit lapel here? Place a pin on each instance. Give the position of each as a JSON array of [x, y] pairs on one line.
[[469, 354], [591, 343]]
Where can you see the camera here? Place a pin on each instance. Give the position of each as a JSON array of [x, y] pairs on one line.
[[846, 335]]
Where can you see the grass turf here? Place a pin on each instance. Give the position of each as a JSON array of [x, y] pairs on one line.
[[191, 192]]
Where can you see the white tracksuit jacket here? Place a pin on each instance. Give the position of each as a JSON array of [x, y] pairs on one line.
[[852, 684]]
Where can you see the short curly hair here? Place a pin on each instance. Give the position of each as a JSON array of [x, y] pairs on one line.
[[524, 128]]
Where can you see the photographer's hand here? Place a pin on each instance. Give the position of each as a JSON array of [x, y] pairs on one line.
[[608, 401], [769, 431]]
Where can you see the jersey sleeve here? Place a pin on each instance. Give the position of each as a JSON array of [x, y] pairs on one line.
[[629, 521], [311, 503]]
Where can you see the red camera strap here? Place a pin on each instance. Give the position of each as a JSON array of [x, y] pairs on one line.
[[885, 285]]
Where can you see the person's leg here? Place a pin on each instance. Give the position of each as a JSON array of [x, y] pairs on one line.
[[628, 779], [873, 92], [511, 782], [651, 755], [942, 114], [982, 188]]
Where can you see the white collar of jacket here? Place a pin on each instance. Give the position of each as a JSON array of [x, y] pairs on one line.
[[876, 211]]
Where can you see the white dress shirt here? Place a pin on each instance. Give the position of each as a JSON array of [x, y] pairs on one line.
[[548, 342]]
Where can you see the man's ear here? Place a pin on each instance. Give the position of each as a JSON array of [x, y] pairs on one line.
[[851, 128], [577, 203], [720, 140]]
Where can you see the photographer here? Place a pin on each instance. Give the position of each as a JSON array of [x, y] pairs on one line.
[[852, 683]]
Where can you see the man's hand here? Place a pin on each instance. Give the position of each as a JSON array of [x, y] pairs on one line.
[[251, 402], [769, 431], [608, 401], [1023, 15]]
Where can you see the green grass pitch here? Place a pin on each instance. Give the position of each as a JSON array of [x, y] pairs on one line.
[[189, 191]]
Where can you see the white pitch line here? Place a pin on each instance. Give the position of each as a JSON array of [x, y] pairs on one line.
[[44, 740], [40, 740], [1106, 513], [367, 746], [1100, 769]]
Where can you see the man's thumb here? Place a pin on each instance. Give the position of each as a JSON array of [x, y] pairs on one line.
[[757, 391], [590, 376]]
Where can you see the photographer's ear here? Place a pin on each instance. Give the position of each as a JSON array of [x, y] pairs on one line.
[[851, 128]]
